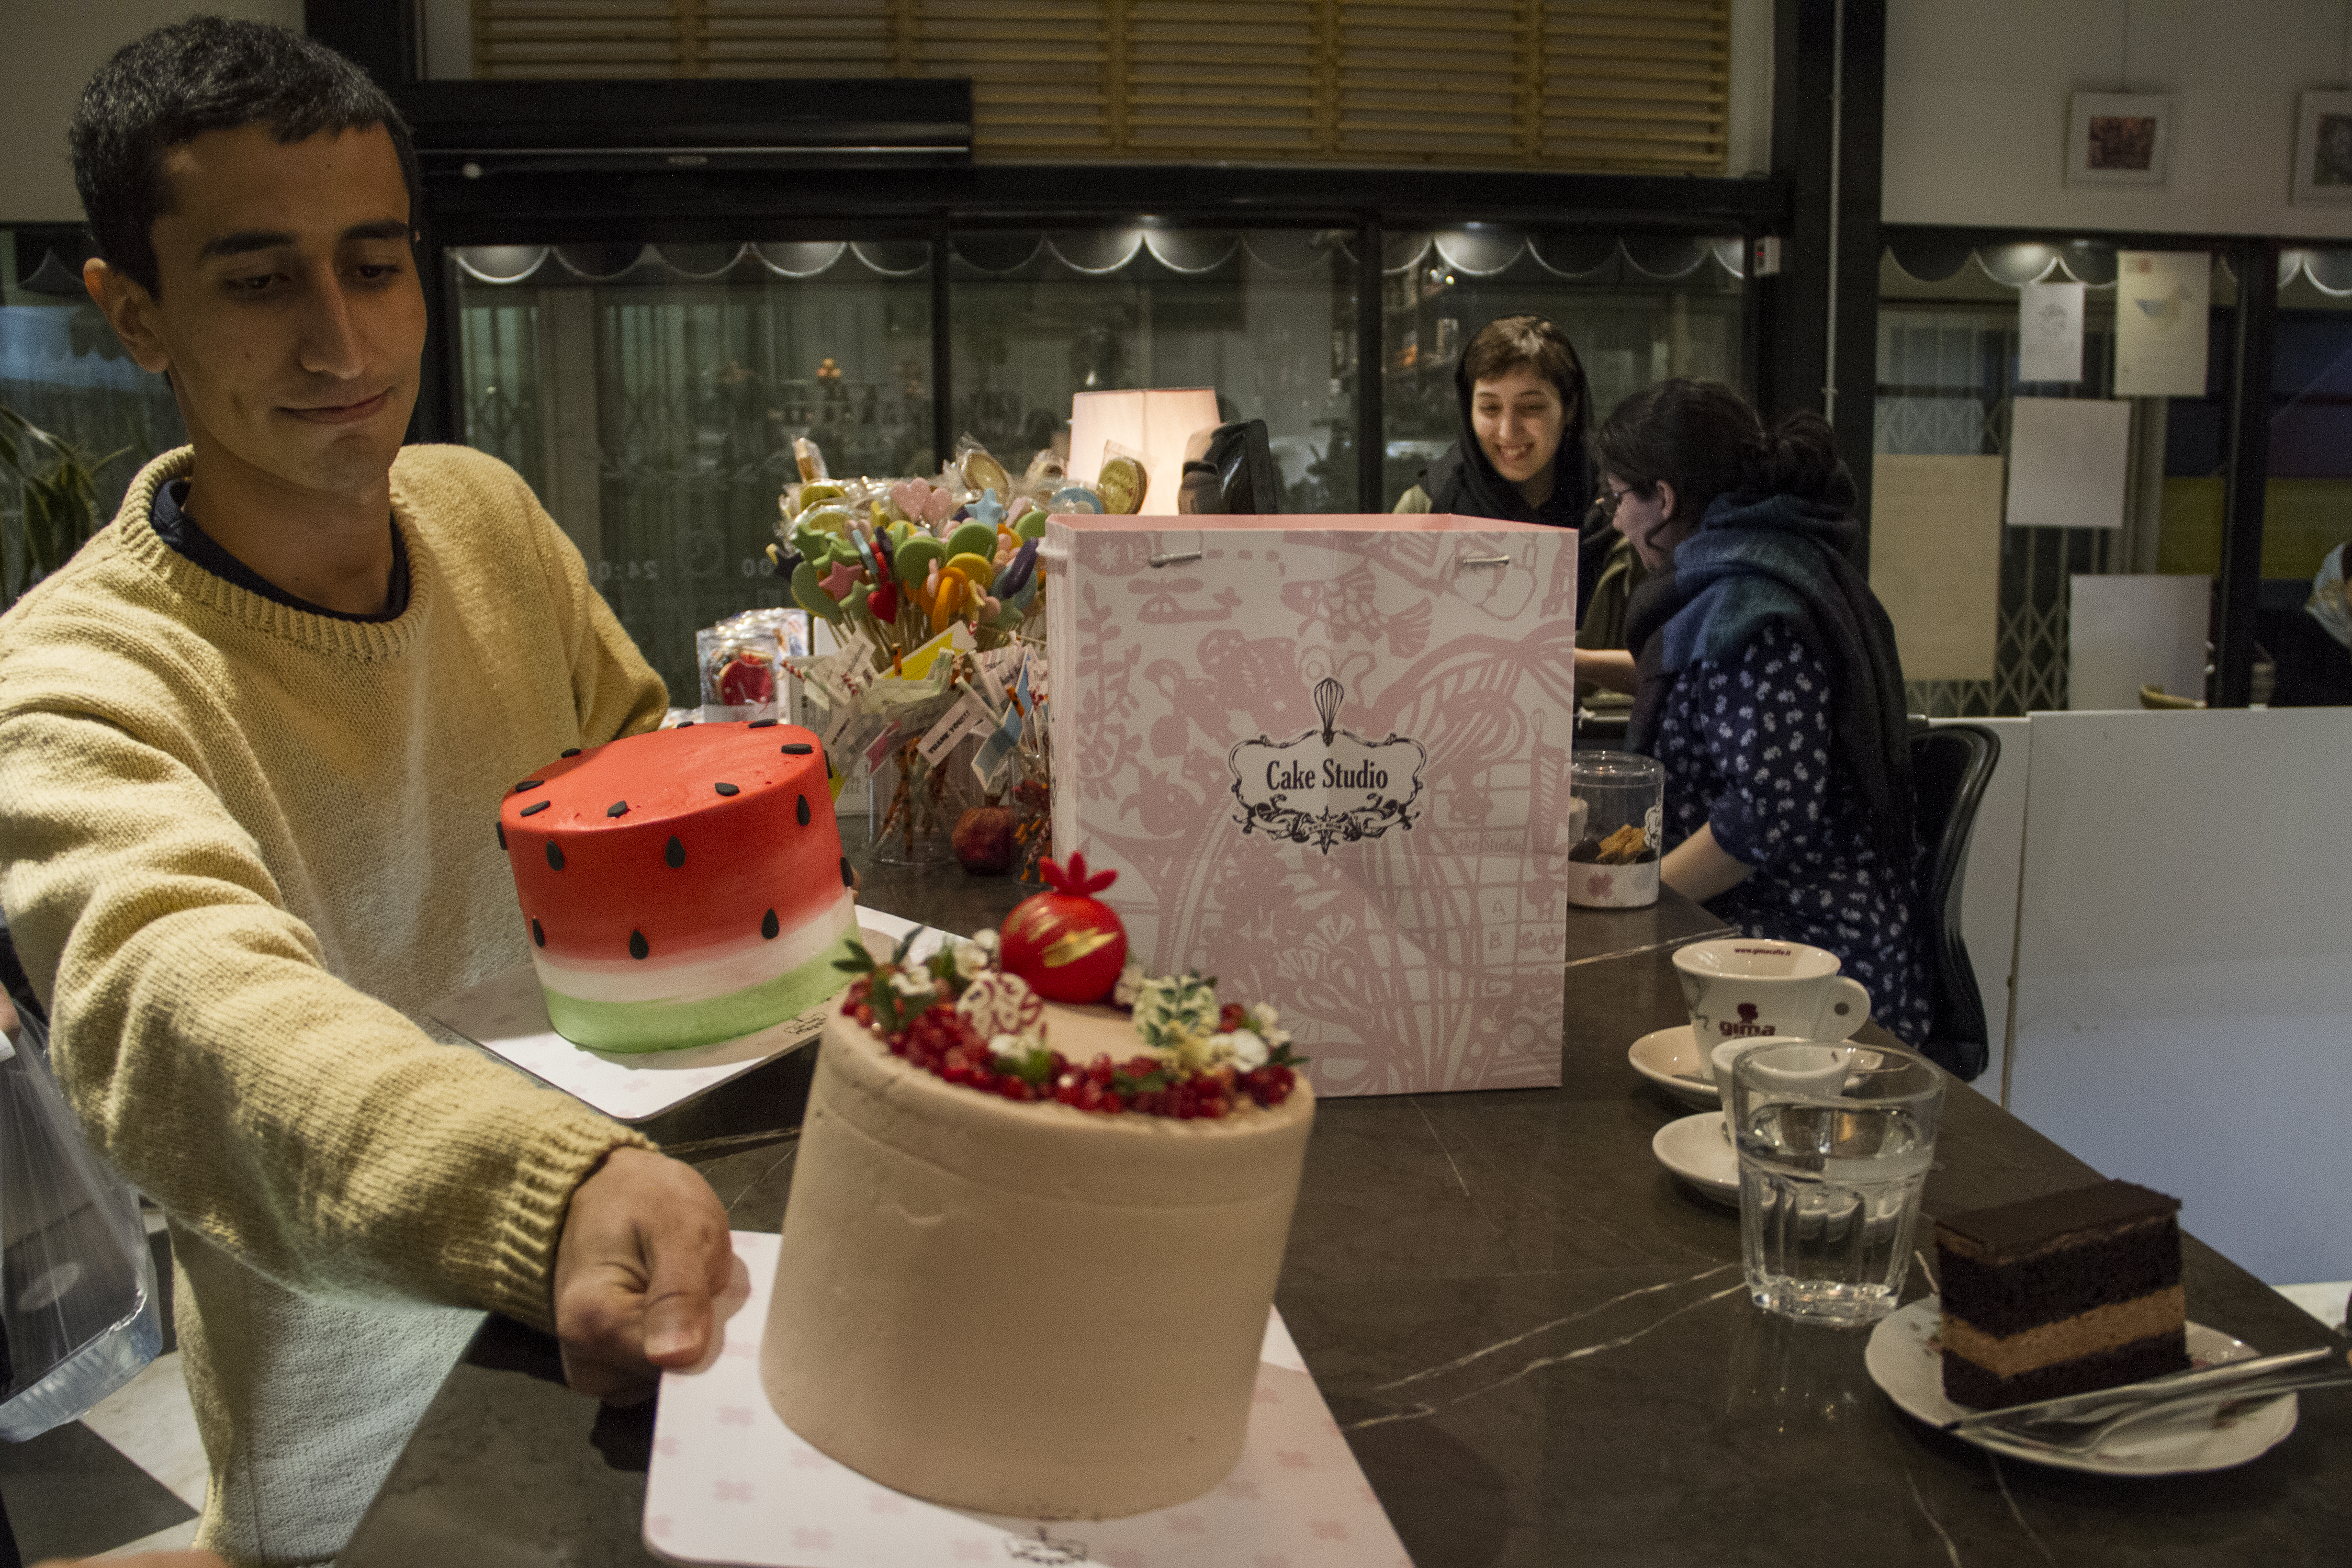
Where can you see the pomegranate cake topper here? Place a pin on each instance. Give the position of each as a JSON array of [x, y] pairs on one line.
[[1069, 945]]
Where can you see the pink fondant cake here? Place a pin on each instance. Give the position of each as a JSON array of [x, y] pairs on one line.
[[1028, 1273], [681, 887]]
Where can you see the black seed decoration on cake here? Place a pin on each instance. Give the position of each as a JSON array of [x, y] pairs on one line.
[[528, 783], [763, 723], [725, 788], [502, 834], [845, 879], [797, 748], [569, 751], [534, 808], [537, 935], [554, 855], [637, 948], [801, 811], [769, 927], [683, 724], [674, 852], [618, 809]]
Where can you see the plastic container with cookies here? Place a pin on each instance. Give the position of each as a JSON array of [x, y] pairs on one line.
[[1618, 810]]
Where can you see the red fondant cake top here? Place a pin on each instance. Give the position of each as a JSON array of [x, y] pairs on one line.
[[674, 843]]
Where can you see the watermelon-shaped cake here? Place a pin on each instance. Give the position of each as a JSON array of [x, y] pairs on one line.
[[680, 887]]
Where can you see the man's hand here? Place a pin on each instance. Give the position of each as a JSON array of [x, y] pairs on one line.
[[643, 1252]]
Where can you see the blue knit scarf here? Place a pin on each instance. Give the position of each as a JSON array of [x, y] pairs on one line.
[[1755, 563]]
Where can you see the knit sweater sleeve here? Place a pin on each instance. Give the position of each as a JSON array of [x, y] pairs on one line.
[[311, 1130]]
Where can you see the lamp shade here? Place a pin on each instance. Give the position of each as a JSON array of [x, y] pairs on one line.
[[1154, 422]]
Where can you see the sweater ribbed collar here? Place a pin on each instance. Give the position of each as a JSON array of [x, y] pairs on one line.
[[134, 536]]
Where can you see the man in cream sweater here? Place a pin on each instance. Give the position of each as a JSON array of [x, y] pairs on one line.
[[252, 744]]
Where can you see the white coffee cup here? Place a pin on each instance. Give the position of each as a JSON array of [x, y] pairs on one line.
[[1745, 988], [1811, 1068]]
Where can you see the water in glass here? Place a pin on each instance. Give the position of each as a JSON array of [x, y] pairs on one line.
[[1829, 1199]]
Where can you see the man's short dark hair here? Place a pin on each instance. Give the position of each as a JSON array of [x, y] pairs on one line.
[[208, 73]]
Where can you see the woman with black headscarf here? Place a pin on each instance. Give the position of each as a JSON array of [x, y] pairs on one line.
[[1525, 414], [1766, 681]]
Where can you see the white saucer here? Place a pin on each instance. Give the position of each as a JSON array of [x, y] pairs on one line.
[[1659, 1055], [1696, 1149], [1906, 1361]]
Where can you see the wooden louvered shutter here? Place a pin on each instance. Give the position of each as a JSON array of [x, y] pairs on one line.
[[1568, 84]]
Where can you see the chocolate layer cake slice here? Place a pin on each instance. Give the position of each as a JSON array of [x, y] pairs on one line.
[[2059, 1295]]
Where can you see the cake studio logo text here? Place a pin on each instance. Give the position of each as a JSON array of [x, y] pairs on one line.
[[1281, 777], [1328, 786]]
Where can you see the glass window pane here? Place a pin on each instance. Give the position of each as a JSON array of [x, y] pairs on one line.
[[63, 369], [1948, 377], [1638, 310], [1264, 316], [651, 394], [2307, 502]]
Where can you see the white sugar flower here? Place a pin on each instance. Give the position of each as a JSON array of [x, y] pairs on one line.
[[986, 940], [1013, 1047], [1169, 1008], [1001, 1004], [1262, 1021], [912, 984], [970, 958], [1130, 984], [1249, 1051]]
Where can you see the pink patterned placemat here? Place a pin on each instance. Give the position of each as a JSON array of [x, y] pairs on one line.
[[731, 1484]]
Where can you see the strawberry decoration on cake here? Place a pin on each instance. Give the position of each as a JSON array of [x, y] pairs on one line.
[[1069, 945]]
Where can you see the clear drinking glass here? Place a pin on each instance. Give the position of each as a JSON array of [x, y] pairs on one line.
[[1830, 1175]]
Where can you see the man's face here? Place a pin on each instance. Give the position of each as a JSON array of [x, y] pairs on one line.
[[290, 316]]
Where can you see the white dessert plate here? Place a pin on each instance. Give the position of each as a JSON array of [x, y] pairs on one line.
[[507, 1016], [1696, 1149], [730, 1483], [1905, 1359], [1661, 1054]]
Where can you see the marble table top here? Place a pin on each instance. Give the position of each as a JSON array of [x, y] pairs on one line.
[[1536, 1340]]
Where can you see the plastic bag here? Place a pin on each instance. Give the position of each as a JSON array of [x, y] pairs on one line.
[[809, 458], [79, 1315], [743, 659]]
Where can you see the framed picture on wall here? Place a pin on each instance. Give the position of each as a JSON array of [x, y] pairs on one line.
[[2323, 149], [2118, 138]]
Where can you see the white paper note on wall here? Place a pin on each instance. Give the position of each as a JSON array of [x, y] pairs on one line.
[[2161, 322], [2050, 332], [2067, 460], [1935, 561]]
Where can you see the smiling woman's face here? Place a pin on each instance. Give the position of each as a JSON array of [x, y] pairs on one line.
[[1518, 419]]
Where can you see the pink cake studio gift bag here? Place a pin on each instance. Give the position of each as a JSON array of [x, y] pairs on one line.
[[1328, 757]]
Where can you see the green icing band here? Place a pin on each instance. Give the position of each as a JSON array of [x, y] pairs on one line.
[[675, 1026]]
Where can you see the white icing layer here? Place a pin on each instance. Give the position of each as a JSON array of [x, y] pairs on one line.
[[705, 972]]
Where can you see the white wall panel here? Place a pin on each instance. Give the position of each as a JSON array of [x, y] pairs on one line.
[[2184, 977], [1977, 94], [53, 46]]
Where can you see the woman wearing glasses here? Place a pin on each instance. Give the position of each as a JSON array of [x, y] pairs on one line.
[[1765, 679], [1523, 417]]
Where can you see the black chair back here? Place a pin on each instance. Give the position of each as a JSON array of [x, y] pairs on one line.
[[1949, 767]]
